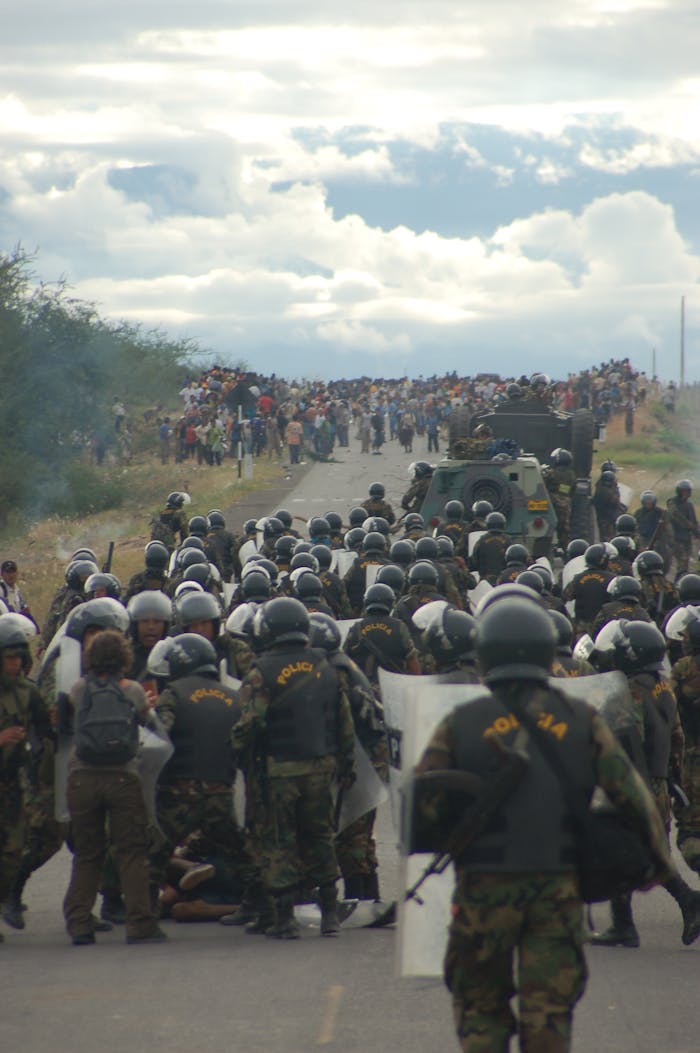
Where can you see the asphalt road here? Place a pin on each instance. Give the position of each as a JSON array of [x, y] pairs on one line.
[[213, 988]]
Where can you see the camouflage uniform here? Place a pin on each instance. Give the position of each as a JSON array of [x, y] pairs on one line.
[[654, 532], [615, 610], [606, 501], [378, 506], [560, 483], [684, 527], [145, 581], [335, 594], [61, 605], [170, 526], [220, 548], [659, 597], [536, 911], [685, 681], [412, 500]]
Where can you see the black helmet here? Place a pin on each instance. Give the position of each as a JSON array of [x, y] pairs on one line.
[[200, 572], [188, 557], [561, 457], [454, 510], [284, 516], [284, 547], [240, 622], [625, 547], [156, 555], [596, 556], [414, 521], [304, 559], [106, 584], [426, 548], [198, 607], [78, 572], [269, 566], [481, 509], [324, 556], [544, 573], [150, 604], [423, 573], [532, 579], [647, 497], [648, 563], [192, 541], [539, 380], [403, 552], [575, 548], [626, 524], [14, 638], [514, 391], [689, 589], [357, 516], [511, 590], [379, 597], [495, 521], [319, 527], [324, 633], [101, 613], [374, 542], [608, 466], [378, 524], [308, 587], [249, 527], [377, 490], [354, 538], [450, 635], [334, 521], [636, 646], [84, 553], [608, 478], [282, 620], [565, 632], [198, 526], [446, 547], [255, 587], [175, 500], [684, 484], [392, 576], [517, 554], [301, 546], [624, 587], [515, 640], [420, 470], [190, 655], [271, 527], [216, 519]]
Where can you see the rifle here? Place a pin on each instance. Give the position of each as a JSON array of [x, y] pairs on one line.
[[515, 763], [107, 565]]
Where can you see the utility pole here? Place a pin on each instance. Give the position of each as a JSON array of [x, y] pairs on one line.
[[682, 341]]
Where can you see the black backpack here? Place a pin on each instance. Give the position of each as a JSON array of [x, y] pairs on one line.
[[106, 727]]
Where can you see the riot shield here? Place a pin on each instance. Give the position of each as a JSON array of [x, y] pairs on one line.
[[543, 561], [473, 538], [68, 663], [609, 694], [413, 706], [575, 566], [248, 548], [367, 792], [230, 681], [476, 595], [344, 625], [229, 589], [342, 561], [424, 615], [679, 620], [155, 750], [371, 572]]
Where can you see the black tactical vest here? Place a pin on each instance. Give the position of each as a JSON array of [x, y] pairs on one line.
[[201, 734], [659, 704], [302, 720], [533, 830], [379, 643]]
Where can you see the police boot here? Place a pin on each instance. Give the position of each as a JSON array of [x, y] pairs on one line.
[[622, 932], [12, 907], [355, 886], [328, 898], [689, 902], [286, 926], [371, 886], [113, 908], [245, 913], [264, 920]]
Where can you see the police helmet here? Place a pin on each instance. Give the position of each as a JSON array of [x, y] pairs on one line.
[[445, 546], [271, 527], [514, 391], [374, 542], [192, 541], [635, 646], [78, 572], [544, 573], [420, 470], [284, 516], [253, 566], [684, 485], [414, 521], [269, 567], [561, 457], [608, 466], [198, 526], [176, 499], [284, 547], [156, 555], [532, 580], [200, 572], [426, 548], [377, 523], [191, 655], [304, 559], [423, 573], [689, 588], [596, 556], [101, 613], [539, 381], [216, 519], [324, 632], [353, 539], [150, 604], [308, 587], [607, 478], [199, 607], [495, 521], [249, 527], [517, 554], [189, 557], [626, 524], [481, 509], [377, 490], [392, 576], [511, 590], [648, 563], [240, 622], [647, 497], [515, 640], [575, 548], [103, 584], [301, 546], [624, 587], [323, 556], [357, 516], [625, 547], [564, 630], [450, 636], [454, 511], [282, 620], [334, 521], [15, 636], [403, 552], [256, 586], [379, 597], [84, 553], [319, 527], [186, 587]]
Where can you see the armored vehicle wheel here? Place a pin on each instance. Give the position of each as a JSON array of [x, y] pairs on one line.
[[488, 488]]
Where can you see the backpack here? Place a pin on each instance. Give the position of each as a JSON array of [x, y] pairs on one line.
[[161, 530], [106, 727]]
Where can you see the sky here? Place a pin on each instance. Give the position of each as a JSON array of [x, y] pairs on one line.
[[328, 190]]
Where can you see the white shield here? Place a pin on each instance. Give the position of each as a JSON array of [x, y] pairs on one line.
[[571, 569], [367, 792], [371, 572], [544, 562], [248, 548], [344, 625], [343, 560], [154, 752], [476, 595], [625, 493], [473, 538]]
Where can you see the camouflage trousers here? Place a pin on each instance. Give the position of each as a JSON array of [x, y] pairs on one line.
[[681, 553], [191, 806], [297, 840], [356, 848], [688, 819], [562, 510], [537, 916], [11, 835], [43, 834]]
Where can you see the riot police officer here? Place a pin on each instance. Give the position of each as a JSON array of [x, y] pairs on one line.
[[377, 505], [378, 640]]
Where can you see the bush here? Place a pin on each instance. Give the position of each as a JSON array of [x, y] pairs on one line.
[[83, 490]]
